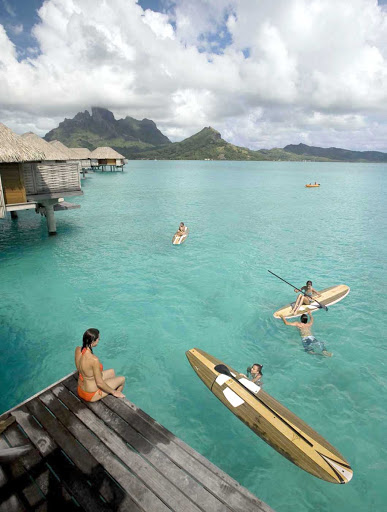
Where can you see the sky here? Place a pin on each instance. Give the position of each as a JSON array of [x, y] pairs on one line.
[[263, 73]]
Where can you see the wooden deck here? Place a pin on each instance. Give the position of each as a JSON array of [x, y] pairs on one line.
[[109, 455]]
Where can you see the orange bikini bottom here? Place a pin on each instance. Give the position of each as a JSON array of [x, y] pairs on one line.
[[87, 395]]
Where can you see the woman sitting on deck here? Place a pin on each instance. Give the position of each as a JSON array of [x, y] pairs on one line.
[[95, 383]]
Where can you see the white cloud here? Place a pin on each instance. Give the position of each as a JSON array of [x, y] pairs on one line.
[[16, 29], [314, 70]]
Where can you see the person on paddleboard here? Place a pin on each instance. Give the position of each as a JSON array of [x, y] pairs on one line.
[[181, 230], [309, 342], [305, 297]]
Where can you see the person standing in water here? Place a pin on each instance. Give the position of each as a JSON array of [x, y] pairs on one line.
[[309, 342], [305, 297], [94, 382]]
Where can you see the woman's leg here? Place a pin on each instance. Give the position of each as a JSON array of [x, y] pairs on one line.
[[297, 304], [116, 383], [108, 374]]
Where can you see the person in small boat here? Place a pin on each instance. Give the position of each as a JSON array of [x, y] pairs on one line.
[[309, 342], [305, 297], [94, 382]]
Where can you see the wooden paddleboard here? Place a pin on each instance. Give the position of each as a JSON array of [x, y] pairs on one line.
[[177, 240], [327, 297], [271, 421], [312, 186]]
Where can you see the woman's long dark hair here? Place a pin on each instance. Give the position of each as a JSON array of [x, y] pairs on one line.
[[88, 337]]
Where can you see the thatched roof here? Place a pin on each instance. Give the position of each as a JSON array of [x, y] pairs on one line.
[[105, 153], [67, 151], [81, 153], [50, 152], [14, 149]]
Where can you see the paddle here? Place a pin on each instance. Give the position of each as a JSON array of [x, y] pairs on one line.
[[295, 287]]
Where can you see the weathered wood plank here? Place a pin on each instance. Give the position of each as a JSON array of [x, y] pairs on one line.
[[134, 487], [51, 488], [198, 456], [88, 465], [223, 487], [20, 481], [10, 501], [178, 477], [69, 474], [111, 450], [167, 492], [166, 434], [225, 492]]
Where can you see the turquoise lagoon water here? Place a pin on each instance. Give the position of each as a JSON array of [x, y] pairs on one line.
[[112, 266]]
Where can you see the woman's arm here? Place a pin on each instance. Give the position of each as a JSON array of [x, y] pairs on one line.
[[76, 357]]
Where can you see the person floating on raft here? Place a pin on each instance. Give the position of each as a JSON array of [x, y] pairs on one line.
[[94, 382], [309, 342]]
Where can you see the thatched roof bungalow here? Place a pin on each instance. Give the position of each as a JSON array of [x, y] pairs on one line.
[[105, 156], [50, 152], [13, 149], [35, 174], [67, 151], [83, 155]]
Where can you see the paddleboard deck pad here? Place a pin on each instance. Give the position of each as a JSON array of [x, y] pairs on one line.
[[271, 421], [177, 240], [327, 297]]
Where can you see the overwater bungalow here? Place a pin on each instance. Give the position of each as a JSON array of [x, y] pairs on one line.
[[83, 155], [35, 175], [104, 157], [64, 149]]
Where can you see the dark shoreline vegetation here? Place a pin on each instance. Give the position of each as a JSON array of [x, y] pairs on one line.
[[142, 140]]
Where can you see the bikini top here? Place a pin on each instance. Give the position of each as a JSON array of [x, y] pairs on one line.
[[80, 374]]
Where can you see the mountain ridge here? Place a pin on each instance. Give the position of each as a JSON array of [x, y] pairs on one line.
[[102, 129], [143, 140]]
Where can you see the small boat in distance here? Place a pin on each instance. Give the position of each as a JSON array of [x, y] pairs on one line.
[[312, 185]]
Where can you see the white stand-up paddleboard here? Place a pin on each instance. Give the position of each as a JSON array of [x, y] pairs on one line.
[[327, 297], [177, 240]]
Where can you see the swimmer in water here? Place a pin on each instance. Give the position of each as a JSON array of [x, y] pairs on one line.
[[309, 342]]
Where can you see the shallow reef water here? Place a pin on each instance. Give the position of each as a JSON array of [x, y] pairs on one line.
[[112, 266]]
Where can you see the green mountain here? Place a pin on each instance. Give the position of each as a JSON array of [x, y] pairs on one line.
[[336, 154], [143, 140], [209, 145], [101, 129]]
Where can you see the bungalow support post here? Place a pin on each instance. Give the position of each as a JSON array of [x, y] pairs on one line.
[[50, 217]]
